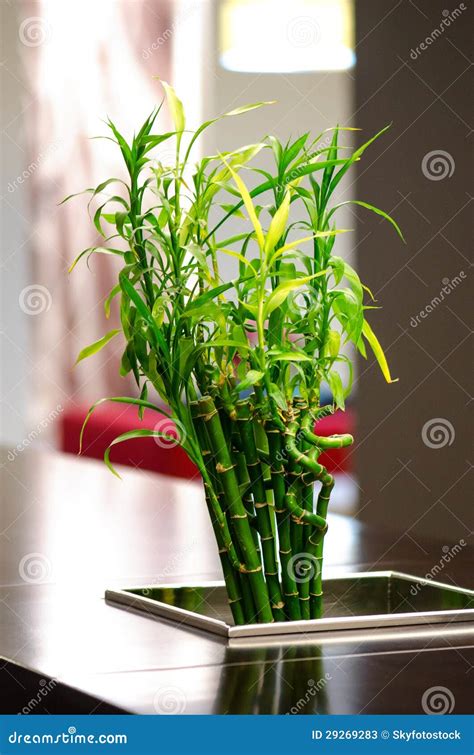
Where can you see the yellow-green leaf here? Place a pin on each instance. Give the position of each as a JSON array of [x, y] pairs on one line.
[[278, 224], [239, 257], [247, 200], [294, 244], [176, 107], [333, 343], [93, 348], [278, 296], [378, 352]]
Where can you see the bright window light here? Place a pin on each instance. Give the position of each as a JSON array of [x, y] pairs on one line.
[[283, 36]]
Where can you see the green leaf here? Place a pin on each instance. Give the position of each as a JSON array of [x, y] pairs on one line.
[[279, 295], [251, 378], [278, 224], [133, 294], [93, 348], [293, 244], [370, 207], [288, 356], [131, 435], [236, 111], [278, 396], [337, 388], [119, 400], [351, 160], [95, 250], [108, 300], [246, 198], [378, 352], [333, 343], [239, 257], [176, 107]]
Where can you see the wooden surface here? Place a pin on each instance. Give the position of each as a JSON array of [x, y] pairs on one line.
[[69, 530]]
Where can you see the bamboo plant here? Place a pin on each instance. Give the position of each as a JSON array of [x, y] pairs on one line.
[[239, 364]]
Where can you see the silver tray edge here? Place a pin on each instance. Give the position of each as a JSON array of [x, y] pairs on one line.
[[221, 628]]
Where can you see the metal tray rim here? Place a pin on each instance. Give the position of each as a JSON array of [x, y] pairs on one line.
[[219, 627]]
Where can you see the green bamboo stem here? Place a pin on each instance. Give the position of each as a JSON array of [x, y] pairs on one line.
[[332, 441], [290, 589], [264, 524], [219, 525], [316, 589], [297, 456], [237, 513]]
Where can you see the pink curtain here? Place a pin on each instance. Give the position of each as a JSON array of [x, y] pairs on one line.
[[83, 62]]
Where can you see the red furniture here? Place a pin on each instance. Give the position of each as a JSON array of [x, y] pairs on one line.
[[158, 455]]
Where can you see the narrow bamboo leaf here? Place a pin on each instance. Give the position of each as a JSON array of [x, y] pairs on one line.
[[378, 352], [131, 435], [221, 342], [278, 224], [119, 400], [251, 378], [124, 147], [278, 396], [176, 107], [95, 347], [288, 356], [337, 388], [244, 193], [333, 343], [279, 295], [77, 194], [332, 155], [370, 207], [236, 111], [351, 160], [110, 297], [239, 257], [133, 294], [95, 250], [207, 296], [292, 244]]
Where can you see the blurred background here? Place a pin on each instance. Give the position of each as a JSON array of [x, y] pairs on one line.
[[66, 66]]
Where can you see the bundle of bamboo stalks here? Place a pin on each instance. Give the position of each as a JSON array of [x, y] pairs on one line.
[[240, 362]]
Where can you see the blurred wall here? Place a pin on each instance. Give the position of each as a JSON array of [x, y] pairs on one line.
[[15, 346], [311, 101], [413, 444]]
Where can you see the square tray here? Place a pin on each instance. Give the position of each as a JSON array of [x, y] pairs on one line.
[[358, 600]]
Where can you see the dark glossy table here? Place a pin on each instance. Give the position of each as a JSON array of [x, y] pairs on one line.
[[69, 530]]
